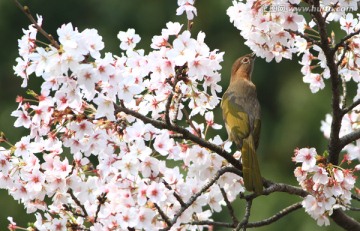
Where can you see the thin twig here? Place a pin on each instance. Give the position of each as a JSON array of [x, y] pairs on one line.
[[245, 220], [211, 223], [190, 22], [177, 105], [229, 206], [352, 106], [73, 210], [102, 199], [275, 217], [343, 81], [355, 197], [170, 97], [167, 108], [352, 208], [189, 121], [330, 11], [163, 215], [48, 36], [307, 38], [177, 196], [77, 202], [177, 136], [346, 47], [271, 187], [196, 195], [343, 40], [344, 93], [349, 138]]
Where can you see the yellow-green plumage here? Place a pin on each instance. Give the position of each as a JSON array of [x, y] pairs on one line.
[[241, 114]]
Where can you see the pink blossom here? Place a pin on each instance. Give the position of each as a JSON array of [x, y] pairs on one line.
[[338, 175], [188, 7], [163, 143], [348, 23], [156, 192], [105, 107], [320, 176], [23, 118], [144, 219], [209, 117], [315, 80], [306, 156], [128, 39], [93, 42]]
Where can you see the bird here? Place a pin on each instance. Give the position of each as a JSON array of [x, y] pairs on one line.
[[241, 114]]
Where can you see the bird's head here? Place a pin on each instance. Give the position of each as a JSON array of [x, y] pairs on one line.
[[243, 67]]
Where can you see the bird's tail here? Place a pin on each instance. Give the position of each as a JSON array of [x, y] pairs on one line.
[[251, 169]]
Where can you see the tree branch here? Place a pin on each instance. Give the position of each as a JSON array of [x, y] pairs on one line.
[[26, 11], [331, 10], [343, 40], [170, 98], [186, 134], [167, 108], [307, 38], [189, 121], [276, 217], [334, 144], [353, 208], [271, 187], [77, 202], [352, 106], [245, 220], [177, 196], [264, 222], [163, 215], [229, 206], [349, 138], [345, 221], [355, 197], [196, 195], [102, 199], [211, 223], [342, 55]]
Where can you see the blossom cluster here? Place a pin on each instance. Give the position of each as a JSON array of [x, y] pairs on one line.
[[268, 33], [277, 35], [329, 186], [349, 124], [101, 168]]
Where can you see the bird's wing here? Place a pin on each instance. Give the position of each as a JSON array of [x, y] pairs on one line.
[[256, 132], [236, 119]]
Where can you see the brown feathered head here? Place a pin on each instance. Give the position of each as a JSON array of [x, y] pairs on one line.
[[243, 67]]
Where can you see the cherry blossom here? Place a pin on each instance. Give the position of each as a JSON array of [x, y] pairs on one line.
[[100, 168], [76, 110], [128, 39], [306, 157], [325, 185], [315, 80], [209, 117], [187, 6]]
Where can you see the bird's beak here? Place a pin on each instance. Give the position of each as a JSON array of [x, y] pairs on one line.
[[252, 55]]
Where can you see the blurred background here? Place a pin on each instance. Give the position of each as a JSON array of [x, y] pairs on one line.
[[291, 115]]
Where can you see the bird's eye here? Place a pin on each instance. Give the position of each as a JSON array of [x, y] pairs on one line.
[[245, 60]]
